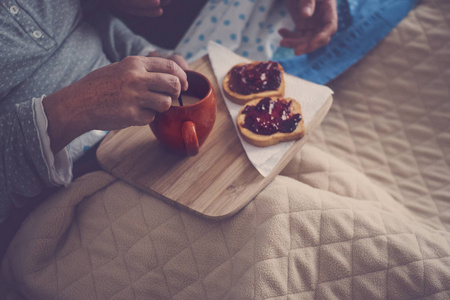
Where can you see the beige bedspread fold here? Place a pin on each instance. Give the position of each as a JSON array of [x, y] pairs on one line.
[[333, 235]]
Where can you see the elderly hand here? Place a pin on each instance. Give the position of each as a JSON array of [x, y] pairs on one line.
[[146, 8], [175, 57], [116, 96], [315, 23]]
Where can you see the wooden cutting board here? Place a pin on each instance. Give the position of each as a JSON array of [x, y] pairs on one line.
[[216, 183]]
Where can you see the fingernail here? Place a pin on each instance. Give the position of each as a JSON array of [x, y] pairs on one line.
[[307, 11]]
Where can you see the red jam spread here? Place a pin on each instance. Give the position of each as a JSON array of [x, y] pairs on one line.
[[251, 79], [269, 117]]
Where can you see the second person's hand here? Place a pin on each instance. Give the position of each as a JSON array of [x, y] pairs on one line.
[[145, 8], [315, 22]]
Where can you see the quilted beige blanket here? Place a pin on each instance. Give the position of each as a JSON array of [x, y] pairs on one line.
[[362, 212], [331, 234]]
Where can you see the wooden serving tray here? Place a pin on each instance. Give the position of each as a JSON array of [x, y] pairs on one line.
[[216, 183]]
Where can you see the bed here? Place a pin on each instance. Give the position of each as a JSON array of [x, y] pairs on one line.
[[361, 212]]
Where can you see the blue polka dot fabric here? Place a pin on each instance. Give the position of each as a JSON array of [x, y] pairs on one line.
[[248, 27]]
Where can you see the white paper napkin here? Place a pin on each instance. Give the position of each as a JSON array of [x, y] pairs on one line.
[[311, 97]]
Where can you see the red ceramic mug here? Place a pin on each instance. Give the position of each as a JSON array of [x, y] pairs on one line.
[[183, 129]]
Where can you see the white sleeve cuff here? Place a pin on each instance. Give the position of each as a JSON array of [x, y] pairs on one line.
[[59, 166]]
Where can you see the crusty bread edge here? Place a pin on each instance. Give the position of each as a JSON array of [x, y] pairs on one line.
[[276, 138], [243, 99]]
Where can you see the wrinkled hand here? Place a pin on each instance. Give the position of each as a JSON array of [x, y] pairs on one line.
[[146, 8], [315, 22], [129, 92], [116, 96], [175, 57]]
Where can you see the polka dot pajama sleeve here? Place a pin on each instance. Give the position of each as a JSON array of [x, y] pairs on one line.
[[247, 27], [23, 169]]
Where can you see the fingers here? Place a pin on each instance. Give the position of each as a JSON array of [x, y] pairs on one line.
[[149, 83], [311, 32], [175, 57], [147, 8], [179, 60], [156, 102], [153, 13], [305, 42], [323, 37], [299, 41], [298, 34], [162, 65], [145, 116], [145, 4], [329, 27], [164, 83], [307, 7], [137, 4]]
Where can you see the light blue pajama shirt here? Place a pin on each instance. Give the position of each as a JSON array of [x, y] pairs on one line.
[[44, 46]]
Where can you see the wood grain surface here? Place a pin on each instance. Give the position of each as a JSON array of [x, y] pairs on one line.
[[216, 183]]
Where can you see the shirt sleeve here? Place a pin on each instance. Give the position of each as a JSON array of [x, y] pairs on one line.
[[59, 166], [25, 170], [118, 40]]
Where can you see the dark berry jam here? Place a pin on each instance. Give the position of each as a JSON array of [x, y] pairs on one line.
[[251, 79], [269, 117]]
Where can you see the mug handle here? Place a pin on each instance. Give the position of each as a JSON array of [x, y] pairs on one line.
[[190, 138]]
